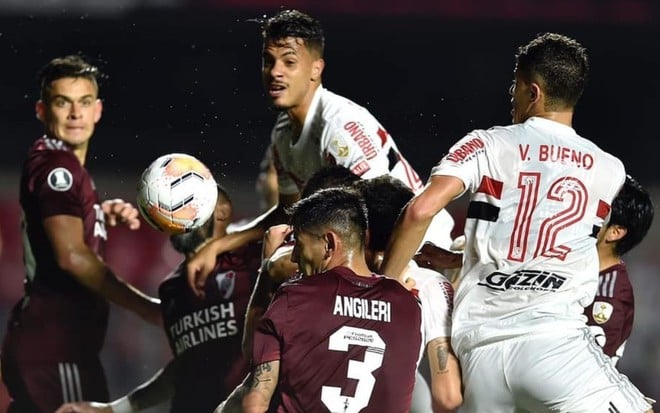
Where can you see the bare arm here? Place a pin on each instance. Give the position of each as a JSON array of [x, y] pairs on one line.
[[262, 388], [445, 376], [414, 221], [233, 403], [65, 233], [200, 266]]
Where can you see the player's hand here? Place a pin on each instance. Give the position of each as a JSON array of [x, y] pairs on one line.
[[273, 238], [436, 258], [84, 407], [119, 211], [200, 266]]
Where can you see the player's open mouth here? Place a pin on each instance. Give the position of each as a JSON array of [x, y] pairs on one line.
[[276, 90]]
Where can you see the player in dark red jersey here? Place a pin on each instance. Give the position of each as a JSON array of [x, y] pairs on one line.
[[55, 333], [362, 352], [204, 334], [612, 312]]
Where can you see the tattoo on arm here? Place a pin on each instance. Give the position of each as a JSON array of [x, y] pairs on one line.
[[262, 375], [443, 356]]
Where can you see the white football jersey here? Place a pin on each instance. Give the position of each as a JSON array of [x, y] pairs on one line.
[[539, 194], [436, 294], [336, 131]]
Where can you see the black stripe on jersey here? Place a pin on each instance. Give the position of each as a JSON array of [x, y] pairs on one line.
[[613, 409], [392, 158], [483, 211], [594, 231]]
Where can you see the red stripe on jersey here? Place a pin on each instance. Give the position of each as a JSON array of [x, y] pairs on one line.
[[382, 133], [490, 186], [603, 209]]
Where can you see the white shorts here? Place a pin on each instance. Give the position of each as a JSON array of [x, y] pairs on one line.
[[552, 372]]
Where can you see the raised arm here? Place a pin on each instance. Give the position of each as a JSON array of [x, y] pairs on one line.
[[414, 221], [200, 266], [65, 233]]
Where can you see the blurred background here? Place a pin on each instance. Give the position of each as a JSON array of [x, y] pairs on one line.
[[184, 76]]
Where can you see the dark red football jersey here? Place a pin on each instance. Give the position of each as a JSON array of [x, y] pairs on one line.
[[613, 308], [346, 343], [58, 318], [205, 334]]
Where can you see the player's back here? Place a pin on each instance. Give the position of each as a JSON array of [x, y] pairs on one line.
[[349, 344], [540, 193]]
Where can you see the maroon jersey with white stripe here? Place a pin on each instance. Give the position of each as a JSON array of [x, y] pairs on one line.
[[205, 333], [345, 343], [58, 319], [613, 308]]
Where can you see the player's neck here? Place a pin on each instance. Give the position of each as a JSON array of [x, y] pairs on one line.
[[608, 261], [81, 154], [565, 117], [298, 113]]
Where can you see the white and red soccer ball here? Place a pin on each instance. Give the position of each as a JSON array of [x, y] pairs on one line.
[[176, 193]]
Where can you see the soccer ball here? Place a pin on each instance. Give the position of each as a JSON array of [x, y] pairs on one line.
[[176, 193]]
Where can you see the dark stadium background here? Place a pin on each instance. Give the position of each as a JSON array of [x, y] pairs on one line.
[[183, 76]]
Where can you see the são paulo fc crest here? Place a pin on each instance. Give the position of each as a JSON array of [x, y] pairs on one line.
[[602, 312], [60, 179]]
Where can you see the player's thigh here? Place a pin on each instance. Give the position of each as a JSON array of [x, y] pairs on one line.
[[484, 381], [569, 374], [43, 387]]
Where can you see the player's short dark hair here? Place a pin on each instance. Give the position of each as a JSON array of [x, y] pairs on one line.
[[385, 197], [294, 23], [68, 66], [341, 210], [559, 64], [632, 209], [332, 176]]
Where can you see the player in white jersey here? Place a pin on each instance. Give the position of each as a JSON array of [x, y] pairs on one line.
[[315, 128], [540, 193], [384, 198]]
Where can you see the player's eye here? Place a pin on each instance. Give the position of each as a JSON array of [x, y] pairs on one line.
[[87, 102], [60, 103]]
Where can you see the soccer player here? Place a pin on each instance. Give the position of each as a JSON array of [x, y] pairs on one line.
[[55, 333], [315, 127], [540, 193], [612, 312], [204, 334], [362, 352], [385, 197]]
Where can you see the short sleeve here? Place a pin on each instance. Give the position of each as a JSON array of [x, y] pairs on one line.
[[436, 295], [466, 161], [57, 186], [270, 331]]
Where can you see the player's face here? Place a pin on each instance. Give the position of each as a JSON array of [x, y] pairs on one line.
[[71, 111], [289, 70], [309, 252], [520, 99]]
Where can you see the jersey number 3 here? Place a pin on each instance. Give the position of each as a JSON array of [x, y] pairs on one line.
[[361, 371], [568, 190]]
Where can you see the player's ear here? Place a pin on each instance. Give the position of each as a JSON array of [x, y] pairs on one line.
[[330, 243], [615, 233], [535, 92], [98, 110], [40, 110], [317, 69]]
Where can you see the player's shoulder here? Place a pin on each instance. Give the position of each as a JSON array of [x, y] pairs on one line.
[[615, 279], [338, 110]]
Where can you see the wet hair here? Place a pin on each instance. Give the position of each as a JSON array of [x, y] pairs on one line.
[[632, 209], [341, 210], [385, 197], [68, 66], [329, 177], [294, 23], [559, 64]]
